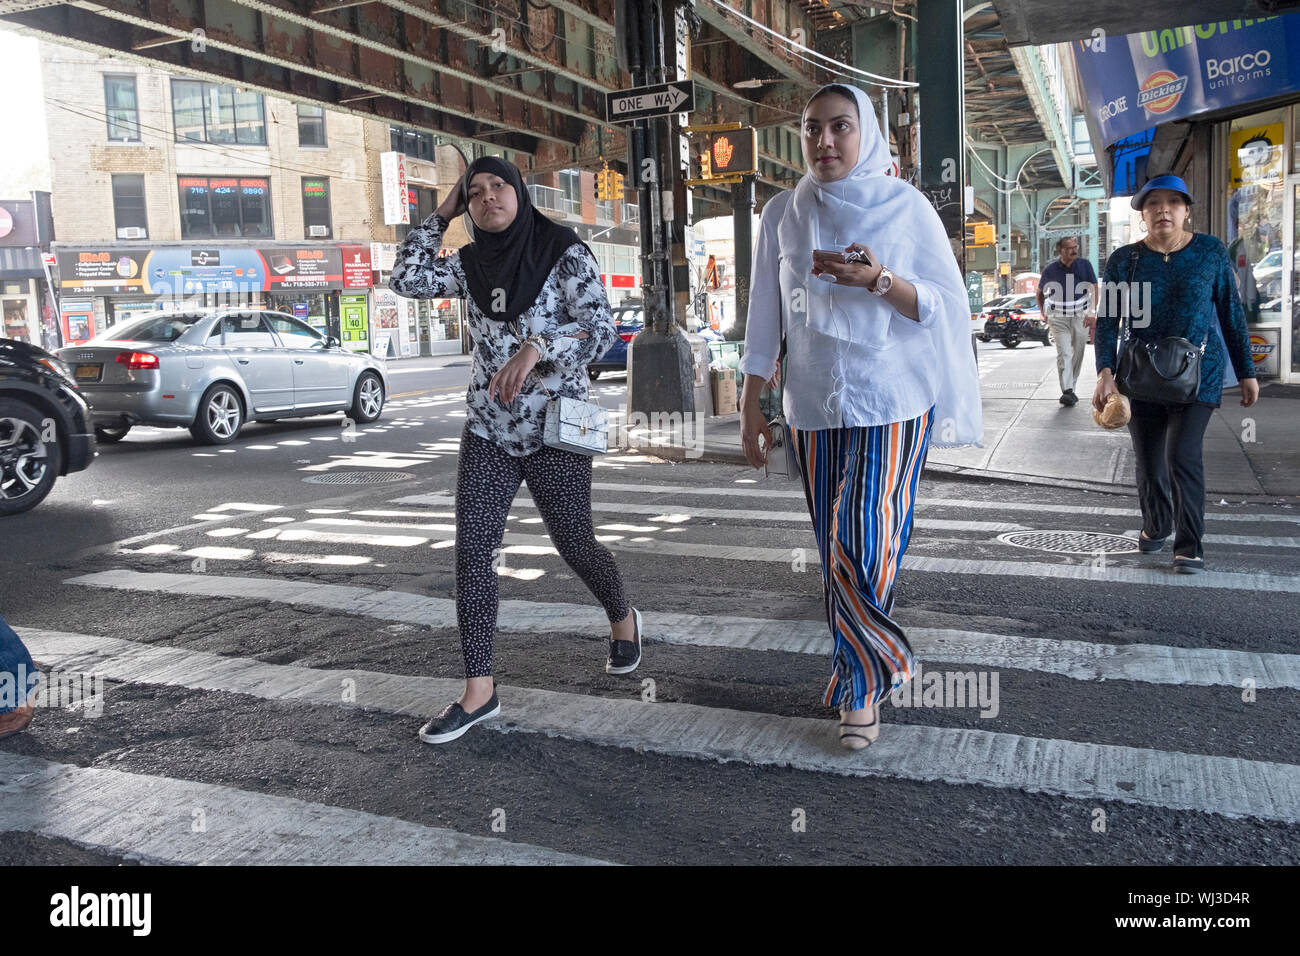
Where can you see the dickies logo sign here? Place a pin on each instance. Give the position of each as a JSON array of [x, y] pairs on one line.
[[1161, 91], [1261, 348]]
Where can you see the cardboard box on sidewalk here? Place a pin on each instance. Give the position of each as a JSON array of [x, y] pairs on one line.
[[726, 397]]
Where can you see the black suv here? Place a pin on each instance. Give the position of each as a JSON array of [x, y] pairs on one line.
[[45, 425]]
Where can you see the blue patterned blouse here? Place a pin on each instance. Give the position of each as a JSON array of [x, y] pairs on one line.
[[1194, 290], [572, 302]]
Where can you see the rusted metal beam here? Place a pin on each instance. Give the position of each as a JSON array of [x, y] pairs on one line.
[[73, 26], [782, 17], [379, 30], [335, 56]]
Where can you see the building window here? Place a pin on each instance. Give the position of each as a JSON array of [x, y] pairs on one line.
[[122, 109], [316, 208], [311, 125], [213, 113], [128, 207], [411, 142], [214, 207], [422, 202]]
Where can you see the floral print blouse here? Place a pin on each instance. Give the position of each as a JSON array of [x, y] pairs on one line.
[[572, 301]]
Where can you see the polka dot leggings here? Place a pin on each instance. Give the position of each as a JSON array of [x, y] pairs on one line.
[[487, 479]]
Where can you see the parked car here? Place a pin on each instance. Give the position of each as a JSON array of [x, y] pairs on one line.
[[213, 370], [629, 319], [45, 425], [979, 318], [1016, 319]]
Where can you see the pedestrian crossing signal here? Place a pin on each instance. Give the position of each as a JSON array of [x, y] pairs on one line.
[[733, 152]]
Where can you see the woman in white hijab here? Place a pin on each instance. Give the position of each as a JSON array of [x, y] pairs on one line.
[[878, 361]]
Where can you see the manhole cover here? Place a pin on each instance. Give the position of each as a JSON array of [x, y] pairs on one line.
[[1070, 542], [358, 477]]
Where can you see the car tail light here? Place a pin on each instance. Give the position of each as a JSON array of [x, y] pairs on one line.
[[137, 360], [1015, 315], [627, 336]]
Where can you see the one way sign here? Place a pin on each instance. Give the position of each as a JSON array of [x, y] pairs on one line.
[[621, 106]]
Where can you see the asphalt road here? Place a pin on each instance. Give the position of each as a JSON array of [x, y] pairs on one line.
[[268, 646]]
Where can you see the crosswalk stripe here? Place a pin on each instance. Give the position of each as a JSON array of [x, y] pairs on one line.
[[151, 818], [541, 544], [1230, 786], [1080, 660], [1242, 540], [795, 492], [725, 514]]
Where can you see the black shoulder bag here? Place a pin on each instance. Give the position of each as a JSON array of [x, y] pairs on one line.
[[1167, 370]]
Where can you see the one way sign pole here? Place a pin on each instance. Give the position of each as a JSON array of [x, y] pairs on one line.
[[664, 99]]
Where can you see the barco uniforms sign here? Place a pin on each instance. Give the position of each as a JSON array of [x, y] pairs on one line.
[[1135, 82]]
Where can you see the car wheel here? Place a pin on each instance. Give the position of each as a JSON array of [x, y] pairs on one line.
[[593, 374], [984, 338], [367, 399], [1010, 341], [221, 416], [1049, 338], [28, 463], [108, 435]]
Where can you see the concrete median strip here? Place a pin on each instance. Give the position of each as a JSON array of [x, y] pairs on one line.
[[1229, 786], [1080, 660], [163, 820]]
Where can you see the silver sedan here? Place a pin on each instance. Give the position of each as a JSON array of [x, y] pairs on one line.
[[211, 371]]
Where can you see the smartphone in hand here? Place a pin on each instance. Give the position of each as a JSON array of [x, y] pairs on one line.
[[841, 257]]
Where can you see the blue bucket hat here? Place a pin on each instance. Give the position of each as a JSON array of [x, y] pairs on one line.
[[1161, 182]]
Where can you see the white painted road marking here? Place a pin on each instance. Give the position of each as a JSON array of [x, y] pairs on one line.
[[1080, 660], [151, 818], [1229, 786]]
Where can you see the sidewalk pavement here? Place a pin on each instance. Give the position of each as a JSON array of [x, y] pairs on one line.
[[1030, 437]]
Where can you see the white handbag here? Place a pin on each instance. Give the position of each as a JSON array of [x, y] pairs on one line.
[[576, 426]]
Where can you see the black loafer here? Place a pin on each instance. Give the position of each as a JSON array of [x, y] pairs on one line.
[[625, 656], [1068, 398], [454, 721], [1149, 545], [1189, 565]]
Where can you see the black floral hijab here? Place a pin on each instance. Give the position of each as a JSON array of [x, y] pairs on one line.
[[519, 258]]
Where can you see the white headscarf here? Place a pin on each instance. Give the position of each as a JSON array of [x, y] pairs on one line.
[[902, 229]]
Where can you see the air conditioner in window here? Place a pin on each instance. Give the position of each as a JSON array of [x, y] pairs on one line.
[[318, 232], [131, 232]]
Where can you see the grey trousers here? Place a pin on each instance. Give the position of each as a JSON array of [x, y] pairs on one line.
[[1071, 340]]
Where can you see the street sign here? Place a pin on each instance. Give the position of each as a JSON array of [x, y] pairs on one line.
[[664, 99]]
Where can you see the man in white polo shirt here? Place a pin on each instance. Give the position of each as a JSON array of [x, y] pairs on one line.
[[1067, 296]]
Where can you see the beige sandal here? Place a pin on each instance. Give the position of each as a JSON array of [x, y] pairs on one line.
[[854, 737]]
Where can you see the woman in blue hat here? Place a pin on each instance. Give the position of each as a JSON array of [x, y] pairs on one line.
[[1187, 288]]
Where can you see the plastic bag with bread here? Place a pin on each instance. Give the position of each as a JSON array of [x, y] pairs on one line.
[[1115, 414]]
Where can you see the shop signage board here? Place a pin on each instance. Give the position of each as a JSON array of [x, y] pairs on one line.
[[356, 266], [397, 208], [662, 99], [1134, 82], [185, 269], [1264, 349]]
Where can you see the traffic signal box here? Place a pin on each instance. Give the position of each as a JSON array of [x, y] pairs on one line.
[[732, 152], [609, 185]]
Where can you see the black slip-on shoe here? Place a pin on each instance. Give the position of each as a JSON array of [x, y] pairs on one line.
[[625, 656], [1068, 398], [1189, 565], [454, 721], [1150, 545]]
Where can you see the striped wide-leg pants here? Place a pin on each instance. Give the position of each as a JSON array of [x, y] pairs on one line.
[[861, 486]]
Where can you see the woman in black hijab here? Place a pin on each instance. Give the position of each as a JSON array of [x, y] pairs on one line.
[[538, 315]]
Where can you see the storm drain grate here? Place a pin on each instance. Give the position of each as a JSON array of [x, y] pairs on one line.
[[358, 477], [1070, 542]]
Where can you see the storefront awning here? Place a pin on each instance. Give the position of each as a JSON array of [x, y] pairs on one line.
[[1039, 22], [20, 263]]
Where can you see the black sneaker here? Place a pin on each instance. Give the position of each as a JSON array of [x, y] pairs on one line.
[[625, 656], [453, 721], [1068, 398], [1149, 545], [1189, 565]]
